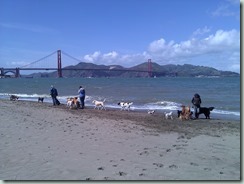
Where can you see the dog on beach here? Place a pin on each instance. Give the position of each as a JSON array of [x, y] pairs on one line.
[[205, 111], [125, 105], [185, 113], [73, 103], [40, 99], [151, 111], [179, 113], [14, 97], [168, 115], [99, 104]]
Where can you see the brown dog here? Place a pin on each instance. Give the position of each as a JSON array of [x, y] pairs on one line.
[[185, 113]]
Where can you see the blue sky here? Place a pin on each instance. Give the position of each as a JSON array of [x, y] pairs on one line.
[[124, 32]]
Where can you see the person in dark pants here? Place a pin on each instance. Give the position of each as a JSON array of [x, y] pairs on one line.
[[54, 94], [196, 101], [82, 95]]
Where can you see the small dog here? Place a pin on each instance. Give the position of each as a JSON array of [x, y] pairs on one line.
[[99, 104], [125, 105], [14, 97], [40, 99], [151, 111], [205, 111], [168, 115]]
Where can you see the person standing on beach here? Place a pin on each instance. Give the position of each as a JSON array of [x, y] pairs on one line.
[[82, 94], [196, 101], [54, 94]]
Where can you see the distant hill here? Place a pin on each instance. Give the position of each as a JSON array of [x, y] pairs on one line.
[[93, 70]]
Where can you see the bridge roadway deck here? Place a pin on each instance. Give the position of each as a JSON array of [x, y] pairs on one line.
[[122, 70]]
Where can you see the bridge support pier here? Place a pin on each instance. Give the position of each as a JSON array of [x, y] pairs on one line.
[[59, 64]]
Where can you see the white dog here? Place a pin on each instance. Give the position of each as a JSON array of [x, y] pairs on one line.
[[125, 105], [168, 115], [151, 111], [99, 104]]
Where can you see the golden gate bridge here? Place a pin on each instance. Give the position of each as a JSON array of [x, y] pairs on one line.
[[57, 58]]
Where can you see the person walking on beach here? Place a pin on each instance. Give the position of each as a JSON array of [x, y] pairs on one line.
[[196, 101], [82, 94], [54, 94]]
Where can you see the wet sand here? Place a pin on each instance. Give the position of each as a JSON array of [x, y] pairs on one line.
[[43, 142]]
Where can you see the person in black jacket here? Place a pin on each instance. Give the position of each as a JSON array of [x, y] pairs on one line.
[[196, 101], [54, 94]]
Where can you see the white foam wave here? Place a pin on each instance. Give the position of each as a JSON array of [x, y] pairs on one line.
[[226, 112]]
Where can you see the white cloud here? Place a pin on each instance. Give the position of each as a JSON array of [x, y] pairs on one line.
[[111, 55], [227, 8], [201, 31], [230, 39], [220, 50]]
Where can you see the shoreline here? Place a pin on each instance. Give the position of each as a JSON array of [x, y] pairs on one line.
[[43, 142], [213, 114]]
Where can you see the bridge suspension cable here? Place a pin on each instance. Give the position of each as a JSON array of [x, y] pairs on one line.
[[64, 53], [39, 60]]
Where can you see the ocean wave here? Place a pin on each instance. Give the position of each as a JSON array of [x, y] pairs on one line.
[[226, 112]]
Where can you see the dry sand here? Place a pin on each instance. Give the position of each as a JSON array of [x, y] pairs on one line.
[[42, 142]]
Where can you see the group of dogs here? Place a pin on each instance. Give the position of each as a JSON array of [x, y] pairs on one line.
[[183, 114], [16, 98], [186, 114], [73, 103], [101, 105]]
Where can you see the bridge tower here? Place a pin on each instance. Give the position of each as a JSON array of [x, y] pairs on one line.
[[17, 73], [2, 72], [149, 69], [59, 64]]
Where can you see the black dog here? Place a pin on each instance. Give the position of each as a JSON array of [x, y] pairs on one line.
[[13, 97], [40, 99], [205, 111], [179, 112]]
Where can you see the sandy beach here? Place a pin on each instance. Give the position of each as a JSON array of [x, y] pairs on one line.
[[43, 142]]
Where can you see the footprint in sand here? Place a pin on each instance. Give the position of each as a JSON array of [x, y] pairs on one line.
[[108, 178], [168, 150], [144, 153], [173, 166], [122, 173], [194, 164], [207, 169], [158, 164], [100, 168]]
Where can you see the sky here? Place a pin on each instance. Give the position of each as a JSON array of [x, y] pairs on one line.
[[123, 32]]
